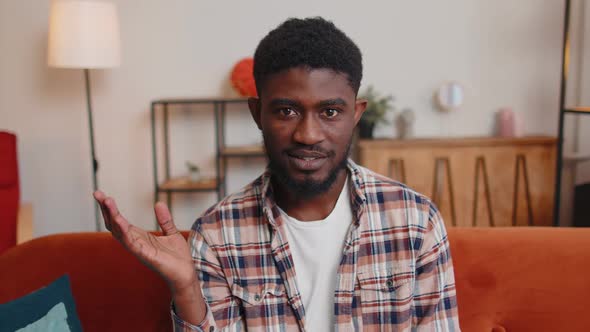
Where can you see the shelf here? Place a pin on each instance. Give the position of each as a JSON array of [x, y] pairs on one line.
[[186, 184], [176, 101], [580, 109], [243, 151], [457, 141], [216, 183]]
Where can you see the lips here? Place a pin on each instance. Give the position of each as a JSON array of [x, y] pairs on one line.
[[307, 161]]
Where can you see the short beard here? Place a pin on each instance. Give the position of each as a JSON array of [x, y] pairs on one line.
[[307, 188]]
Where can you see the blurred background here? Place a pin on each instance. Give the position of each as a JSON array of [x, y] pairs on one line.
[[503, 55]]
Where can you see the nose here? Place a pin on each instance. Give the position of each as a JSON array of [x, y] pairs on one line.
[[309, 130]]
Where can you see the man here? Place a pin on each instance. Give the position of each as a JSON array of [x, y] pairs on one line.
[[316, 243]]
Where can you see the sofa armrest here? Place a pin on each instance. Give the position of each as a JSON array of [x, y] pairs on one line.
[[24, 223]]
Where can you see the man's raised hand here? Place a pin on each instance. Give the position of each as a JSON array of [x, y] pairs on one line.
[[167, 254]]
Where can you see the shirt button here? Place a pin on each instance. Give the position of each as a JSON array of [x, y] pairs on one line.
[[257, 297], [389, 284]]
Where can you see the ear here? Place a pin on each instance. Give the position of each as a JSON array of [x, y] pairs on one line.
[[254, 105], [359, 108]]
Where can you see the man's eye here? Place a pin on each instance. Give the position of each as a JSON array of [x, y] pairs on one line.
[[287, 111], [331, 112]]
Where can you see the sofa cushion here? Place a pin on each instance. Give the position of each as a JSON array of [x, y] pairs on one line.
[[522, 278], [50, 308]]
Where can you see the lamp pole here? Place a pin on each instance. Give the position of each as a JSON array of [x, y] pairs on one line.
[[92, 148]]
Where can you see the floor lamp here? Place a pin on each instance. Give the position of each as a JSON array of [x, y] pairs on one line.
[[84, 35]]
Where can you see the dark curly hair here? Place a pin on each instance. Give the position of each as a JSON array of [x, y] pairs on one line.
[[312, 42]]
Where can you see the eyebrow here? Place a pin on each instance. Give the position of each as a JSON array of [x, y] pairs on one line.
[[332, 102], [285, 101], [323, 103]]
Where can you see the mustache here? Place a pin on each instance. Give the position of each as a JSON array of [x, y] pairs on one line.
[[309, 151]]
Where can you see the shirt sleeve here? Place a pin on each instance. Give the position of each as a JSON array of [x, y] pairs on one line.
[[435, 298], [182, 326], [223, 310]]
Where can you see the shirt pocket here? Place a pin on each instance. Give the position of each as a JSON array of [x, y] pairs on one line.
[[386, 295], [258, 294], [264, 305]]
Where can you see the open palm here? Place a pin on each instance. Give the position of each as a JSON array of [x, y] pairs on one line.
[[167, 254]]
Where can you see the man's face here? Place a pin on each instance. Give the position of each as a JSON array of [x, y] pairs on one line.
[[307, 117]]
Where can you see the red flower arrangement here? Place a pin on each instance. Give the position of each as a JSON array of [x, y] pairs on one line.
[[242, 78]]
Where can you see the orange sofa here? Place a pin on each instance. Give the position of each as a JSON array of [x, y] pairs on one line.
[[508, 279]]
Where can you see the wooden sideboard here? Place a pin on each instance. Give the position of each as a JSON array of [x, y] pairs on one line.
[[474, 181]]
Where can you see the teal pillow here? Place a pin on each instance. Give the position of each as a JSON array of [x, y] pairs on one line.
[[51, 308]]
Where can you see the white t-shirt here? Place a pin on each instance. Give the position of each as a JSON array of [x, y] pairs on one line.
[[317, 247]]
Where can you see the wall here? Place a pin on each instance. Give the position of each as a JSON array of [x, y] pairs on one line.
[[505, 53]]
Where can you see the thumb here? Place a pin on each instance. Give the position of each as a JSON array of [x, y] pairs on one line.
[[165, 219]]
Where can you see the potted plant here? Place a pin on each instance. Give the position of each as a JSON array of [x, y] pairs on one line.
[[377, 108], [194, 171]]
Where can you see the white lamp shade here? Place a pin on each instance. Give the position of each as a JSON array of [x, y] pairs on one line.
[[83, 34]]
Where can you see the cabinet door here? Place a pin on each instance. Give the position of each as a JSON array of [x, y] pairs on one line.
[[488, 185]]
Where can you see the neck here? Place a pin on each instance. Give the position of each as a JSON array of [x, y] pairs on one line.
[[313, 208]]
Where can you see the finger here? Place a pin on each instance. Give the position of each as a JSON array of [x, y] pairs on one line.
[[165, 219], [105, 216], [121, 228], [119, 224], [99, 196]]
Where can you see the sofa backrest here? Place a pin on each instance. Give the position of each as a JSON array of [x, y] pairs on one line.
[[513, 279], [9, 190], [522, 278], [113, 291]]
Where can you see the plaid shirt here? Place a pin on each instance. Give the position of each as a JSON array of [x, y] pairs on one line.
[[395, 273]]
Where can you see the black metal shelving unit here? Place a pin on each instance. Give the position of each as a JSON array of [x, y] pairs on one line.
[[564, 109], [171, 185]]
